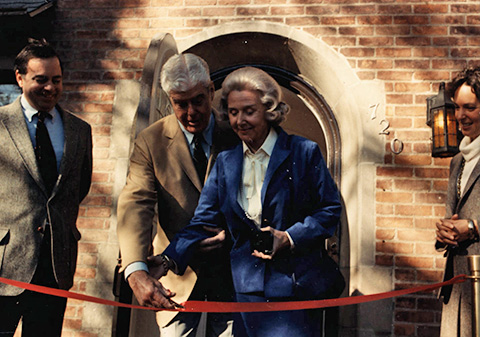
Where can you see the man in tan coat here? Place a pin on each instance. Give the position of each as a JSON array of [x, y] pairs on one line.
[[167, 170]]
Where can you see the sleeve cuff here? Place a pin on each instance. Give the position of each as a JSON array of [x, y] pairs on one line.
[[292, 244], [135, 266]]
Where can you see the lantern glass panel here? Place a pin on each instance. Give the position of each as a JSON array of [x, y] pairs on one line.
[[452, 128], [438, 128]]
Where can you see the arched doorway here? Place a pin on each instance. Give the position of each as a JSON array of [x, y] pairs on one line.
[[329, 106]]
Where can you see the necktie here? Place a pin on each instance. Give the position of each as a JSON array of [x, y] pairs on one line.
[[199, 158], [45, 154]]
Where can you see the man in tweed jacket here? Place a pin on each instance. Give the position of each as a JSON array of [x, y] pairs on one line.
[[38, 233]]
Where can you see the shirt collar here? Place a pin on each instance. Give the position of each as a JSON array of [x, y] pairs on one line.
[[207, 133], [267, 145], [30, 111]]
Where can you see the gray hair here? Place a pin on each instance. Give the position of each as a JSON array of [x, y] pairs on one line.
[[182, 72], [250, 78]]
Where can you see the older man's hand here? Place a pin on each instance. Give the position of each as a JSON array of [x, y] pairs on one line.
[[217, 240], [150, 292]]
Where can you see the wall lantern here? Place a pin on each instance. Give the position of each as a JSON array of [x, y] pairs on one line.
[[441, 118]]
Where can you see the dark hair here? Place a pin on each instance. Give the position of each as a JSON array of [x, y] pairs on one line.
[[470, 76], [34, 49]]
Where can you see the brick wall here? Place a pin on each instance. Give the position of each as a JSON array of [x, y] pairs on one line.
[[410, 46]]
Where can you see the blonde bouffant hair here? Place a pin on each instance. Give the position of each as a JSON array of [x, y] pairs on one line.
[[254, 79]]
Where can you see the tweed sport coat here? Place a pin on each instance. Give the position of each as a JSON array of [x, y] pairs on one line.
[[298, 195], [25, 205], [456, 314], [162, 175]]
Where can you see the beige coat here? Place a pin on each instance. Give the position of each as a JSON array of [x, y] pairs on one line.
[[26, 206], [456, 313], [162, 177]]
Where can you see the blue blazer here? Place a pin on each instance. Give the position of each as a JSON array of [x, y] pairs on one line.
[[298, 196]]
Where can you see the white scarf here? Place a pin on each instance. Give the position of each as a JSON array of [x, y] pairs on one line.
[[471, 153]]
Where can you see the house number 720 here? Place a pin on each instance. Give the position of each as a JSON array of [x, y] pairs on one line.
[[396, 145]]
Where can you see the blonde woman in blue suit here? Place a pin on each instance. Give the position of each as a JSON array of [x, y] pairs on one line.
[[275, 195]]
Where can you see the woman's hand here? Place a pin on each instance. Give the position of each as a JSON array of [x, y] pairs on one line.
[[280, 242]]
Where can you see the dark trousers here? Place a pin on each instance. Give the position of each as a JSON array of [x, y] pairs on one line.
[[304, 323], [41, 314]]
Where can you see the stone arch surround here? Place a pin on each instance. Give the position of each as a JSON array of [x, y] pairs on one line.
[[359, 144]]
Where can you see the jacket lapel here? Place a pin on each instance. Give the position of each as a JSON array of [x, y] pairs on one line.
[[452, 202], [179, 146], [279, 155], [70, 148], [217, 146], [233, 166], [470, 182], [14, 123]]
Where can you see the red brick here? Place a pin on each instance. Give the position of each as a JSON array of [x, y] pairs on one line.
[[430, 8], [218, 11], [358, 9], [90, 223], [375, 20], [322, 10], [287, 10], [411, 20], [442, 173], [413, 210], [430, 275], [301, 20], [394, 222], [395, 171], [393, 52], [384, 185], [87, 260], [84, 247], [376, 41], [385, 234], [393, 248], [405, 302], [405, 275], [414, 262], [252, 11], [90, 235], [449, 41], [416, 235], [265, 2], [85, 273], [394, 8], [332, 40], [396, 75], [98, 212], [384, 260], [338, 21], [470, 8], [428, 331], [404, 330], [163, 3], [72, 324], [464, 52]]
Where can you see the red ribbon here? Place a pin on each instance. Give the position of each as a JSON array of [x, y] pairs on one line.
[[206, 306]]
